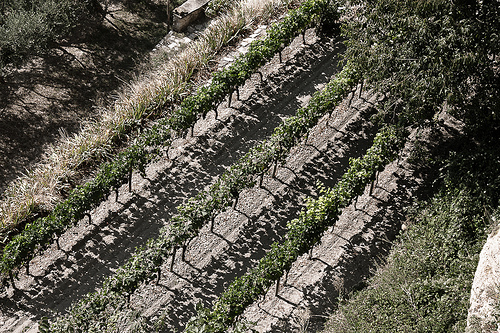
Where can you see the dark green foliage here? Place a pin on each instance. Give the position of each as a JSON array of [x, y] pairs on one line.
[[31, 27], [424, 54], [425, 286]]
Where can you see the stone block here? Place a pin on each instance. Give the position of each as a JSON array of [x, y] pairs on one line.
[[187, 13]]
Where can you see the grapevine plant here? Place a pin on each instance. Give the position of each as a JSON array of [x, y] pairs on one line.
[[39, 234], [145, 263], [303, 233]]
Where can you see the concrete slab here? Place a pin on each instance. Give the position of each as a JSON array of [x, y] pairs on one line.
[[187, 13]]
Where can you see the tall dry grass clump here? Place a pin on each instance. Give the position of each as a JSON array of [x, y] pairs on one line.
[[45, 184]]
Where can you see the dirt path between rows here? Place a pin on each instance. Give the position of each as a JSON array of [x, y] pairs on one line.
[[243, 235], [90, 252]]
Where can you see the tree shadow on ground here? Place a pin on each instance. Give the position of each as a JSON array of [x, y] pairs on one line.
[[61, 89]]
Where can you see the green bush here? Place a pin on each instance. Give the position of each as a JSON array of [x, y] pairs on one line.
[[30, 28], [425, 285], [422, 54]]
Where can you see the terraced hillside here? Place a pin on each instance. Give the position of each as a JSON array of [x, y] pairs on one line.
[[259, 202], [59, 276]]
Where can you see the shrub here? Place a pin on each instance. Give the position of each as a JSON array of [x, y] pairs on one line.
[[425, 285], [31, 27]]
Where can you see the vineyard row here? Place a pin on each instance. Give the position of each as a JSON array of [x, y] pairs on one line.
[[39, 234], [303, 233], [200, 210]]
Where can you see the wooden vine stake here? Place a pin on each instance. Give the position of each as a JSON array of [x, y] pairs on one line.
[[276, 160], [261, 179], [116, 196], [11, 277], [212, 224], [130, 179], [90, 218], [277, 287], [229, 97], [238, 93], [236, 197], [304, 36], [27, 267], [261, 76], [311, 253], [168, 149], [169, 18], [279, 52], [352, 97], [184, 247], [373, 182], [158, 276], [173, 259]]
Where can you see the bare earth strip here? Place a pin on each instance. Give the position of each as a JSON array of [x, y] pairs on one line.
[[346, 256], [90, 252], [242, 235]]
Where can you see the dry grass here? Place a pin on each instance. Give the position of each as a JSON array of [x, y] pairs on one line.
[[41, 187]]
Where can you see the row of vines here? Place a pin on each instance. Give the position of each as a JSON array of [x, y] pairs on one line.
[[399, 47], [303, 233], [39, 234], [203, 208], [401, 56]]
